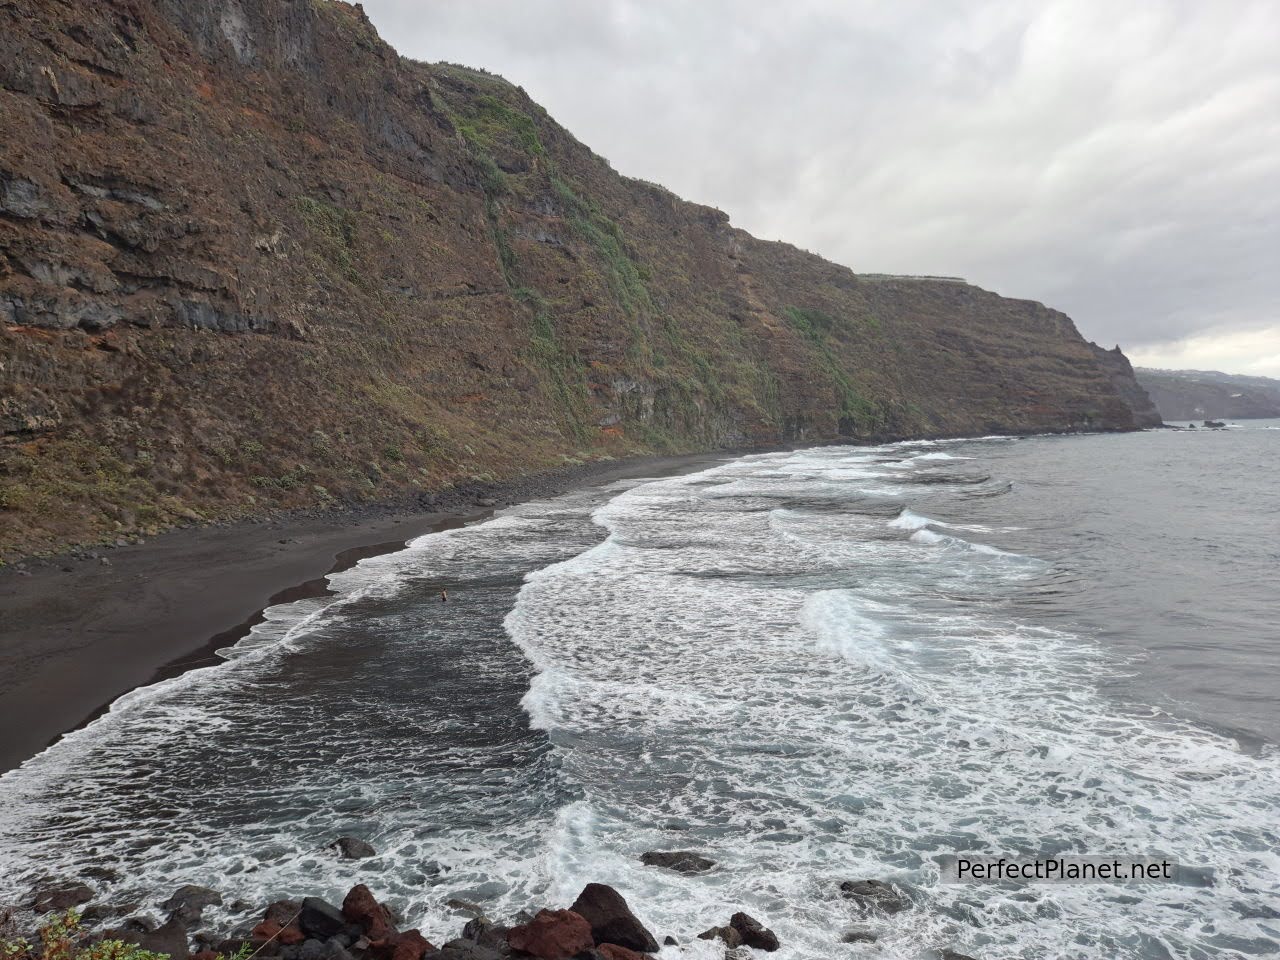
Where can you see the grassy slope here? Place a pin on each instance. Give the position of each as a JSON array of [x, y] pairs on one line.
[[407, 277]]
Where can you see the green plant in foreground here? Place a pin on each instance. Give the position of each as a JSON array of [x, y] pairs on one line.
[[61, 939]]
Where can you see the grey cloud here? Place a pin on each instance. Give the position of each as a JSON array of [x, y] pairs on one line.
[[1118, 161]]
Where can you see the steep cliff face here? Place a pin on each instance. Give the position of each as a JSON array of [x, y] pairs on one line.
[[250, 257], [1120, 370], [1207, 394]]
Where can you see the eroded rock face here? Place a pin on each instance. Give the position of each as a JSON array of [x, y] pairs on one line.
[[225, 206]]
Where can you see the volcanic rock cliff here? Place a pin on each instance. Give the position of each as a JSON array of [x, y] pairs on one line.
[[250, 258]]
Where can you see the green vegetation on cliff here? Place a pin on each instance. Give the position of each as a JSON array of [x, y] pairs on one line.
[[253, 259]]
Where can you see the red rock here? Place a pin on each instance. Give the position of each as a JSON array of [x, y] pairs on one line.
[[410, 945], [361, 907], [611, 951], [552, 935], [271, 930], [265, 930]]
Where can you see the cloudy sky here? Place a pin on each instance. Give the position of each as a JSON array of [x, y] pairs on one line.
[[1119, 161]]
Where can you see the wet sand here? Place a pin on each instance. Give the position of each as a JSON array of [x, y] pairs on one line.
[[76, 634]]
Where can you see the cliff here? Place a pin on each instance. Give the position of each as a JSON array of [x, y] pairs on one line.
[[251, 258], [1209, 395], [1120, 370]]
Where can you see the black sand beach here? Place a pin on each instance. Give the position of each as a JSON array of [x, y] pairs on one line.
[[77, 633]]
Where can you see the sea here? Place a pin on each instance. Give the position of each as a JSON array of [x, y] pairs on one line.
[[813, 666]]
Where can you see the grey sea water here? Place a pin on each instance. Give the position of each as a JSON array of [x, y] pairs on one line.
[[814, 666]]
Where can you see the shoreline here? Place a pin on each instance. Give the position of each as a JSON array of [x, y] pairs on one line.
[[76, 634]]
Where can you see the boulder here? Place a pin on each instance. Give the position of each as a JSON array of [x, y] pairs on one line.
[[170, 940], [283, 912], [754, 934], [353, 848], [320, 919], [731, 937], [875, 895], [611, 919], [681, 861], [486, 933], [410, 945], [362, 908], [952, 955], [552, 935], [188, 903], [271, 931], [60, 896]]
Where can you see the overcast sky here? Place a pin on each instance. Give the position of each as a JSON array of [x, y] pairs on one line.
[[1119, 161]]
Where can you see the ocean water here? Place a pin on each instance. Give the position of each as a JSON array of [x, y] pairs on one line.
[[813, 666]]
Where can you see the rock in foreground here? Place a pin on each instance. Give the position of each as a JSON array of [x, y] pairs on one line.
[[611, 919]]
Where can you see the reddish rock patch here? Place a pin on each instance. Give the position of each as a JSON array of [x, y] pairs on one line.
[[360, 906], [552, 935]]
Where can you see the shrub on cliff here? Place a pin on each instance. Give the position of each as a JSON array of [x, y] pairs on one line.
[[63, 938]]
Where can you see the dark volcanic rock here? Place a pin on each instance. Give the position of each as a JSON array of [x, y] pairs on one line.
[[320, 919], [466, 949], [188, 903], [729, 935], [353, 848], [486, 933], [552, 935], [60, 896], [612, 920], [99, 912], [171, 939], [875, 895], [361, 908], [754, 934], [682, 861]]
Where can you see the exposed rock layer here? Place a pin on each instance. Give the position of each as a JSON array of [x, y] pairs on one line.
[[250, 257]]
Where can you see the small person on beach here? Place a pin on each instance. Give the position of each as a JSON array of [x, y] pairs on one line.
[[444, 596]]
